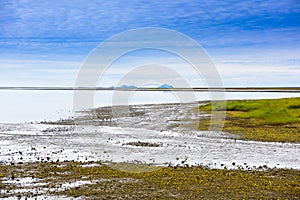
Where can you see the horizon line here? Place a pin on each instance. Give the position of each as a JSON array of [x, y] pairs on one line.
[[153, 89]]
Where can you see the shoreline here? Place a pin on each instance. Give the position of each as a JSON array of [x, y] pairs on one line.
[[31, 106], [164, 127]]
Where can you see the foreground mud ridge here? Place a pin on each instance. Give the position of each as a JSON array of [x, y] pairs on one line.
[[97, 180]]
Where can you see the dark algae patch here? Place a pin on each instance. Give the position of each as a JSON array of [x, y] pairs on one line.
[[275, 120], [143, 144], [103, 182]]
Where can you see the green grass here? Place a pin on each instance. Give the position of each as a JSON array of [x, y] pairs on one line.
[[268, 111], [266, 119], [163, 183]]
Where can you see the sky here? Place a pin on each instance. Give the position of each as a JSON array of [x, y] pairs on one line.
[[252, 43]]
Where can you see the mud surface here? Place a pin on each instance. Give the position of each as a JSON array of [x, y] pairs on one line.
[[108, 134]]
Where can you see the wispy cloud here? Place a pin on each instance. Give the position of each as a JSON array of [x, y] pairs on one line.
[[235, 33], [38, 72], [100, 19]]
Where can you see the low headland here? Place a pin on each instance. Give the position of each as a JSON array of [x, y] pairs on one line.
[[272, 120]]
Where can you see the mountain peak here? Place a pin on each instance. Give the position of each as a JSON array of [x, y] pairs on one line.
[[166, 86], [127, 86]]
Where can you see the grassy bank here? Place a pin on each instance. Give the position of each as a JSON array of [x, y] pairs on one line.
[[265, 120], [165, 183]]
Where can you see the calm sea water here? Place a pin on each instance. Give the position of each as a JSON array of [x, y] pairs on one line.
[[30, 106]]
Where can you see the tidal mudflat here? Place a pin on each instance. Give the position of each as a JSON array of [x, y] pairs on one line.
[[83, 154]]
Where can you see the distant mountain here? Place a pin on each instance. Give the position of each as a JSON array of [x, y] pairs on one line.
[[165, 86], [127, 86]]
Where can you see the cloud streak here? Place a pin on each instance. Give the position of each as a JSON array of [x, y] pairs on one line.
[[235, 33]]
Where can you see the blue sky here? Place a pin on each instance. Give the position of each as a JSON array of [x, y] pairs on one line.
[[252, 43]]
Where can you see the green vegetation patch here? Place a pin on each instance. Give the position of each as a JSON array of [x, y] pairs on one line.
[[266, 119], [164, 183]]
